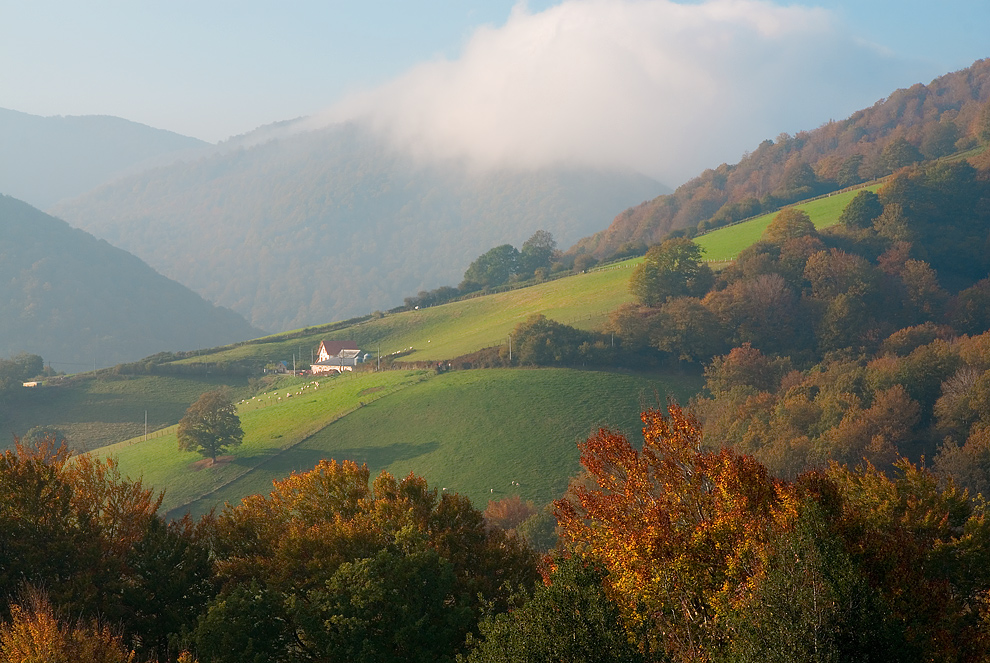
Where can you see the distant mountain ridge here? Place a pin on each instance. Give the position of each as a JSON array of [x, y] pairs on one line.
[[923, 121], [79, 302], [303, 228], [47, 159]]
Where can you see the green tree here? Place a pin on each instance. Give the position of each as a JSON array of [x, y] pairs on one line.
[[492, 268], [861, 210], [19, 368], [247, 623], [210, 425], [394, 607], [810, 603], [570, 619], [672, 269], [543, 342], [537, 252]]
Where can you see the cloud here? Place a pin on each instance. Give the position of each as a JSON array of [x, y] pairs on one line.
[[664, 88]]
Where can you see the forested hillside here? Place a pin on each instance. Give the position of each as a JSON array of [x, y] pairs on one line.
[[47, 159], [77, 301], [921, 122], [323, 225]]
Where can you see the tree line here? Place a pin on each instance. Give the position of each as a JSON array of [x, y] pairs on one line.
[[669, 550], [503, 265]]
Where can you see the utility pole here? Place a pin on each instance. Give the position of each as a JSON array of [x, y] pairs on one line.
[[145, 425], [510, 348]]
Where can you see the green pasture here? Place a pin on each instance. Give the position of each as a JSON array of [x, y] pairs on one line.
[[727, 243], [272, 421], [474, 432], [100, 409], [459, 328]]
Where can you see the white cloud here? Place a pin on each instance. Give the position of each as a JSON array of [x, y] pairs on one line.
[[664, 88]]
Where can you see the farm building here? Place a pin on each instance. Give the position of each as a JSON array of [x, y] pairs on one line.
[[336, 356]]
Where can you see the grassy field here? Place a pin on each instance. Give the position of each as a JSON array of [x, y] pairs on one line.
[[271, 423], [458, 328], [474, 432], [98, 410], [727, 243]]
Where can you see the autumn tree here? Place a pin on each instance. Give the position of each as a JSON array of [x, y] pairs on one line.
[[899, 153], [508, 512], [940, 140], [788, 224], [94, 540], [210, 425], [672, 269], [848, 174], [35, 634], [686, 329], [748, 366], [388, 571], [670, 524], [983, 124], [969, 311]]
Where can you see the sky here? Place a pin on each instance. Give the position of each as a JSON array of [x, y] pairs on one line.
[[665, 88]]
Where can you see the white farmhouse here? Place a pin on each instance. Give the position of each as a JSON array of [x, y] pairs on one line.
[[336, 356]]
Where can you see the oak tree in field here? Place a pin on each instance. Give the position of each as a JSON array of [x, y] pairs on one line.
[[210, 425]]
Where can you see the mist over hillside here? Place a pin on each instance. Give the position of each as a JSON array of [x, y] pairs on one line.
[[79, 302], [47, 159], [292, 229], [921, 122]]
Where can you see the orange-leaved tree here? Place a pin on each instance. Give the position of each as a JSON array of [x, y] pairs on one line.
[[387, 569], [674, 525]]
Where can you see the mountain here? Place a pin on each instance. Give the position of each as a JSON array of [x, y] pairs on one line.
[[46, 159], [77, 301], [298, 228], [924, 121]]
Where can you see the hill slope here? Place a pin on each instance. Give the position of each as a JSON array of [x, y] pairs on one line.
[[323, 225], [75, 300], [474, 432], [47, 159], [927, 121]]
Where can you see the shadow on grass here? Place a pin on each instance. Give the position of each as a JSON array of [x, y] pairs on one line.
[[301, 460], [377, 457]]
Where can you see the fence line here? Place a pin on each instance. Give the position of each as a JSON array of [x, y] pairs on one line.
[[854, 187]]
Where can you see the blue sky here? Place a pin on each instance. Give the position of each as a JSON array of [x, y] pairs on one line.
[[439, 74]]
